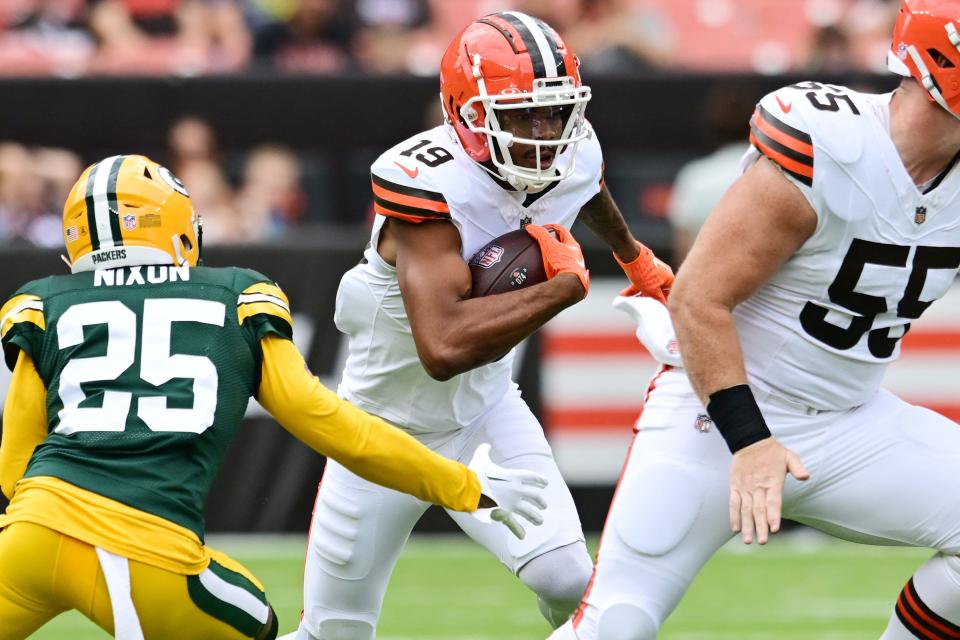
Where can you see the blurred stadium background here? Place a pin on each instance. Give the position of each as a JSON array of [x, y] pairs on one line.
[[271, 111]]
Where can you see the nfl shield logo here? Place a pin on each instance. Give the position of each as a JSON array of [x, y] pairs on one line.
[[130, 222], [489, 257], [920, 215], [703, 423]]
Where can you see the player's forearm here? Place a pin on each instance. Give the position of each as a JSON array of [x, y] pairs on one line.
[[709, 344], [383, 454], [363, 443], [602, 216], [476, 331]]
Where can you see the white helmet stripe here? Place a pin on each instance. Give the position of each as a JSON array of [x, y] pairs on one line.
[[101, 196], [540, 38]]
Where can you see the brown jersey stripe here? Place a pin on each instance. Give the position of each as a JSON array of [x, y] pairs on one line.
[[931, 620], [402, 200], [758, 132], [774, 133], [785, 128], [801, 172], [393, 205], [411, 214], [911, 623], [405, 190]]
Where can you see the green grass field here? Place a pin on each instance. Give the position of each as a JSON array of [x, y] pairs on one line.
[[800, 586]]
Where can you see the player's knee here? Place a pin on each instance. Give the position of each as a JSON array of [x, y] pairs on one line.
[[559, 578], [624, 621], [568, 587]]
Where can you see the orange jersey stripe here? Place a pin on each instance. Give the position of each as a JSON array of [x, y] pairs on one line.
[[410, 201], [780, 136], [404, 216], [782, 160], [916, 609], [912, 623]]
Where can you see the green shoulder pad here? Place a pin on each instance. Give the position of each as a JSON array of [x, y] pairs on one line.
[[22, 322], [262, 305]]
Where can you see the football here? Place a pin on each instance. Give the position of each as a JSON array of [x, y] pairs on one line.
[[506, 263]]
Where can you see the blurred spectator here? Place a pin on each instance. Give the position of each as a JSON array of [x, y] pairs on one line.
[[45, 37], [701, 183], [190, 139], [387, 36], [213, 199], [868, 26], [831, 51], [616, 36], [54, 172], [271, 198], [33, 187], [316, 38], [15, 164], [183, 37]]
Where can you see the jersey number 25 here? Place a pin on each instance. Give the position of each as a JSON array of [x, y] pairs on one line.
[[157, 365]]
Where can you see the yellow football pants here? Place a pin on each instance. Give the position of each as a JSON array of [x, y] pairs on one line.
[[44, 573]]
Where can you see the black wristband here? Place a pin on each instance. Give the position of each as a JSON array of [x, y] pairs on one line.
[[737, 416]]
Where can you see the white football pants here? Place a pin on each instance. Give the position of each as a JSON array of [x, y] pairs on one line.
[[884, 473], [359, 528]]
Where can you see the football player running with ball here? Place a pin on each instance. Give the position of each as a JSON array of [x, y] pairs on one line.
[[842, 230], [515, 150], [130, 378]]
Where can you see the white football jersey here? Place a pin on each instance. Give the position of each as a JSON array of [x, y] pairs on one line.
[[429, 177], [824, 328]]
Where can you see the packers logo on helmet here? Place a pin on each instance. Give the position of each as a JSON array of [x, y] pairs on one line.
[[128, 210]]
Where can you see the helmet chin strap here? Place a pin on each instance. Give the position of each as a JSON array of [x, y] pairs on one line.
[[199, 240]]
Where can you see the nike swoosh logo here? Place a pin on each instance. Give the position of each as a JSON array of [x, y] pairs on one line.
[[410, 172], [784, 107]]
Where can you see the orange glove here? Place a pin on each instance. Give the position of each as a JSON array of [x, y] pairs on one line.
[[648, 276], [561, 252]]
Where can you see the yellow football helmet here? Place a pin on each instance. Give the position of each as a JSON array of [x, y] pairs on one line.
[[129, 210]]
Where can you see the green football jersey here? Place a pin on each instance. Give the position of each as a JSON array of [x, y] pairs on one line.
[[148, 372]]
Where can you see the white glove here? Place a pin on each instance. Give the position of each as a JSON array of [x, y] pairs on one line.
[[654, 328], [517, 492]]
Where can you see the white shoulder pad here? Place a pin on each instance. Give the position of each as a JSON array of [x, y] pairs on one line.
[[828, 114], [407, 180]]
